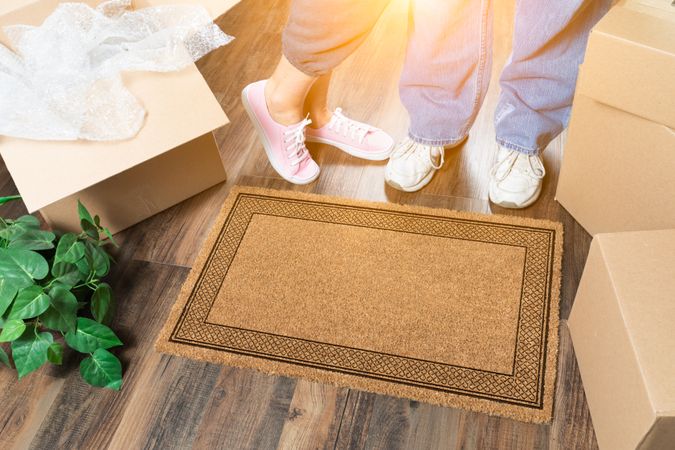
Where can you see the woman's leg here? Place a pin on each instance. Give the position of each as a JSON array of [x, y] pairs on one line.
[[319, 35], [316, 102], [286, 93]]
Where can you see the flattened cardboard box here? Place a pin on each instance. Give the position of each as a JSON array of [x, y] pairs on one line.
[[172, 158], [618, 162], [624, 339]]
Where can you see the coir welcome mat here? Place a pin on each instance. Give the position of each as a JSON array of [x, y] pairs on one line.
[[451, 308]]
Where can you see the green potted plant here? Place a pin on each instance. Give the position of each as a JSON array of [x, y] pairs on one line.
[[52, 296]]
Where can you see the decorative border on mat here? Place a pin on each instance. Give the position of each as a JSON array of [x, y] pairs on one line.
[[523, 387]]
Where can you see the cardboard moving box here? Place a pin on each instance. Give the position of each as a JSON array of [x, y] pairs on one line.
[[173, 157], [618, 162], [623, 330]]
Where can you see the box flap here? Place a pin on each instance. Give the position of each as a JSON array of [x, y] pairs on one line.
[[630, 64], [215, 7], [662, 8], [642, 268], [180, 107], [9, 6]]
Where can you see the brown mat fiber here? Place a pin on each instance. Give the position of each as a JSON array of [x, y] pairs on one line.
[[451, 308]]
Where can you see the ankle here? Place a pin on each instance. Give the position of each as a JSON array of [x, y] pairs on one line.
[[320, 117], [282, 108]]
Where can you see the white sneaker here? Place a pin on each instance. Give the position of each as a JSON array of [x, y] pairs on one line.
[[412, 165], [516, 179]]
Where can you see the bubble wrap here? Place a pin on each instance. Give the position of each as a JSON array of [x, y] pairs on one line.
[[62, 81]]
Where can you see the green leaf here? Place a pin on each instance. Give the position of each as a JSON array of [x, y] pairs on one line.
[[69, 249], [30, 351], [83, 213], [110, 237], [62, 312], [90, 229], [66, 273], [4, 358], [102, 369], [4, 200], [22, 266], [33, 240], [13, 229], [8, 290], [55, 353], [91, 335], [30, 302], [86, 264], [101, 302], [100, 260], [12, 329], [30, 222]]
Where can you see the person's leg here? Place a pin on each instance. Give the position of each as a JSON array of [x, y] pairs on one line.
[[316, 101], [286, 91], [537, 87], [537, 83], [318, 36], [444, 81]]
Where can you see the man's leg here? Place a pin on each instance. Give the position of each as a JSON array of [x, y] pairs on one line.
[[443, 84], [537, 83], [537, 87]]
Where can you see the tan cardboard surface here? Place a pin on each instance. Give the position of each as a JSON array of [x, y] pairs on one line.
[[617, 170], [616, 396], [662, 8], [622, 329], [215, 7], [135, 194], [180, 107], [8, 6], [630, 64], [642, 268]]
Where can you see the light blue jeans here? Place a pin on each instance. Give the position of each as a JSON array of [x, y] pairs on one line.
[[449, 60]]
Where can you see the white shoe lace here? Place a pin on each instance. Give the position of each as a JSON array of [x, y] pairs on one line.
[[294, 140], [352, 129], [534, 169], [411, 149]]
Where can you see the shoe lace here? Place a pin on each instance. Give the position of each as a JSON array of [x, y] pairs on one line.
[[535, 168], [411, 149], [294, 140], [352, 129]]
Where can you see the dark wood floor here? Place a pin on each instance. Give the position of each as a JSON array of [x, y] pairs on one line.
[[169, 402]]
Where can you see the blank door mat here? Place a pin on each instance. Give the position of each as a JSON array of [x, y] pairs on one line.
[[451, 308]]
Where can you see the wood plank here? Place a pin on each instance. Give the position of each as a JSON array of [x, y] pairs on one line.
[[168, 404], [572, 427], [247, 410], [314, 416]]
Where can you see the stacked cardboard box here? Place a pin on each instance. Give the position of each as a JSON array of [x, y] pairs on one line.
[[173, 157], [618, 170], [618, 174], [624, 339]]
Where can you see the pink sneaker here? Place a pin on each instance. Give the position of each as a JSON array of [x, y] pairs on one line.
[[356, 138], [284, 145]]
